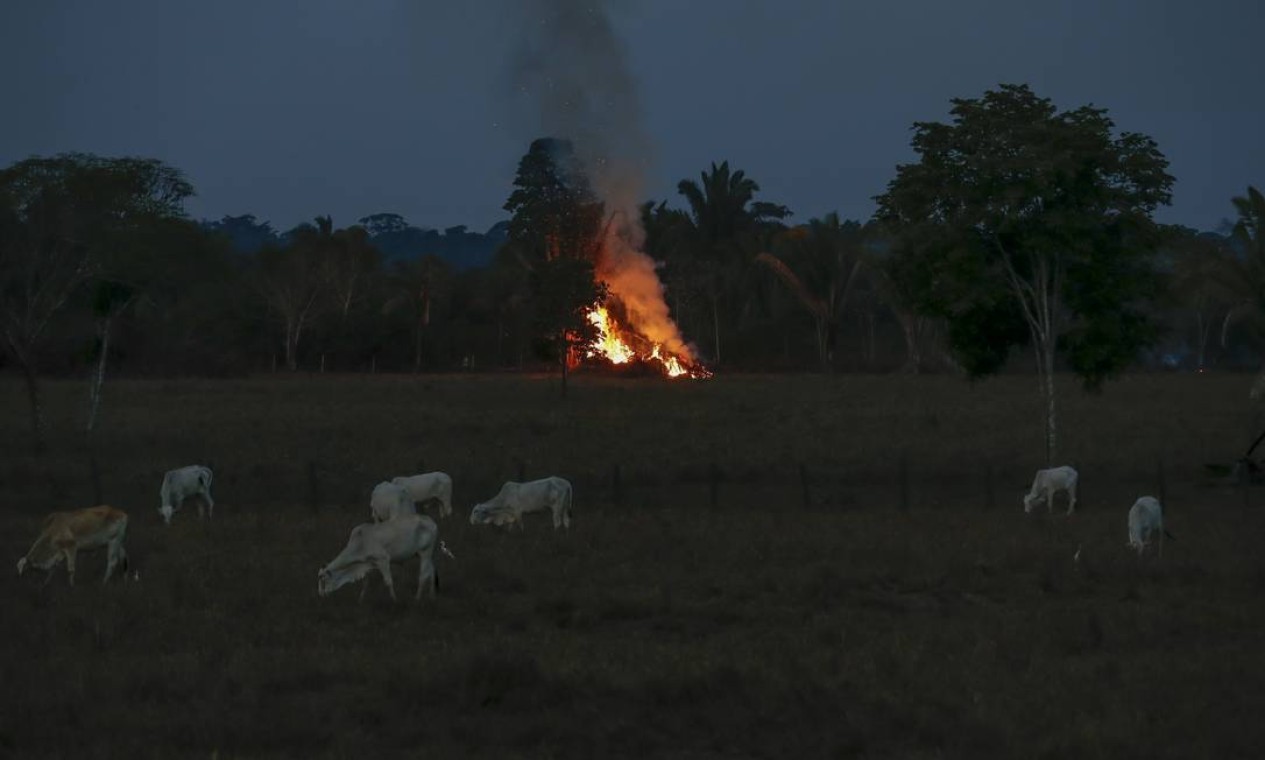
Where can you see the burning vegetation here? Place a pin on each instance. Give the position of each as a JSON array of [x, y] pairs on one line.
[[624, 347]]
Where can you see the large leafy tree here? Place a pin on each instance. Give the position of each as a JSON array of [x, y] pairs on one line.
[[556, 234], [66, 222], [1023, 224], [564, 291], [555, 212], [728, 226]]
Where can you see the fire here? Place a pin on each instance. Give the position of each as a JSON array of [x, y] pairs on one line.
[[608, 343], [616, 350]]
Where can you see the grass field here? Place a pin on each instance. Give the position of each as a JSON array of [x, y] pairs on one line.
[[858, 618]]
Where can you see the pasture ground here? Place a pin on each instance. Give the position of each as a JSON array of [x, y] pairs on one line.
[[854, 622]]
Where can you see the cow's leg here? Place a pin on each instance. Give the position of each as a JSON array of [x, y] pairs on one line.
[[426, 576], [1071, 495], [364, 586], [210, 504], [112, 559], [117, 556], [70, 564], [1049, 500], [384, 567]]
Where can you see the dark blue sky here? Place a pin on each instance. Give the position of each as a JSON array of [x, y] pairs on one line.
[[291, 109]]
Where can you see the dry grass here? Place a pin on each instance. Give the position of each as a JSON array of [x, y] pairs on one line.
[[662, 626]]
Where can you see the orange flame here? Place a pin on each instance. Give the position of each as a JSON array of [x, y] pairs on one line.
[[616, 350], [608, 343]]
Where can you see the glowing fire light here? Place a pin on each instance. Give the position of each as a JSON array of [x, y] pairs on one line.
[[615, 350], [608, 343]]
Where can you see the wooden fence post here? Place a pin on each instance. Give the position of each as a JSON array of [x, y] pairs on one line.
[[1160, 482]]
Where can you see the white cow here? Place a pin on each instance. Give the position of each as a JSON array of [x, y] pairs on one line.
[[1146, 519], [1047, 483], [427, 486], [374, 546], [185, 483], [517, 499], [389, 501], [65, 533]]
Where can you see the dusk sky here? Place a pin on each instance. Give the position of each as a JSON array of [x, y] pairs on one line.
[[287, 110]]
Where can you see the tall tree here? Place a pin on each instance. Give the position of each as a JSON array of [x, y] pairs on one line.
[[64, 221], [1245, 270], [292, 281], [819, 263], [725, 220], [416, 285], [564, 291], [1202, 286], [1019, 216], [555, 212]]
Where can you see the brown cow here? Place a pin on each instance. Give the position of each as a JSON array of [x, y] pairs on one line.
[[65, 533]]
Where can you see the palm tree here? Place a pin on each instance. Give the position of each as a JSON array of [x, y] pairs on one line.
[[722, 212], [819, 263]]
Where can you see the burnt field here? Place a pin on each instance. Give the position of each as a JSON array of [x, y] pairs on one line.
[[758, 566]]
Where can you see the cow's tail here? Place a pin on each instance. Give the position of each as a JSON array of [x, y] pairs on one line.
[[205, 476], [1170, 536]]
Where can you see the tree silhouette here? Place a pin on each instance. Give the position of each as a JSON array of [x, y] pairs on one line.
[[555, 213], [726, 225], [60, 219], [1016, 215], [819, 263]]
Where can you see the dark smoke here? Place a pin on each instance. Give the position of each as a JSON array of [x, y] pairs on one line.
[[571, 70]]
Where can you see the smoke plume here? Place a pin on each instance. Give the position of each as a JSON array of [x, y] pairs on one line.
[[572, 69]]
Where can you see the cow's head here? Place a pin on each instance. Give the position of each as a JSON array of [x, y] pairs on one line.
[[21, 565], [324, 582], [166, 511], [1030, 501], [329, 579], [480, 515]]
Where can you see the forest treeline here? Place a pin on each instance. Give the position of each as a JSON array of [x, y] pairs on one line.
[[102, 268]]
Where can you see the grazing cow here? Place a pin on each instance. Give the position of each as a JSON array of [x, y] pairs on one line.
[[374, 546], [185, 483], [389, 501], [65, 533], [1047, 483], [427, 486], [517, 499], [1146, 519]]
